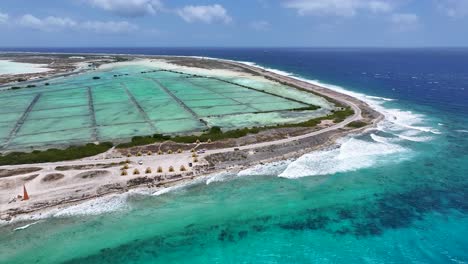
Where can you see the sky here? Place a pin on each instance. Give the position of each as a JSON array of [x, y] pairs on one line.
[[233, 23]]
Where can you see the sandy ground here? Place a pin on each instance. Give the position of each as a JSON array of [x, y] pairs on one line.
[[51, 186]]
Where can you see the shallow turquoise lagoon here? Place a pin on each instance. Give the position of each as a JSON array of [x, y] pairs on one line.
[[119, 103]]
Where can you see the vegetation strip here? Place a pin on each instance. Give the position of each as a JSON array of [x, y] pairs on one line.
[[215, 133], [54, 155]]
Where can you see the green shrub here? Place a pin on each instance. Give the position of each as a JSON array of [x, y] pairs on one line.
[[215, 133], [54, 155], [357, 124]]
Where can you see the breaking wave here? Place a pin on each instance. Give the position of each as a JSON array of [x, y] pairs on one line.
[[273, 168], [352, 153], [96, 206]]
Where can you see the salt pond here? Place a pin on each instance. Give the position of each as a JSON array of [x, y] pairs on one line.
[[119, 102], [11, 67]]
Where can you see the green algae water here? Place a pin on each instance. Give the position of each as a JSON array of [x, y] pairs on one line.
[[395, 194]]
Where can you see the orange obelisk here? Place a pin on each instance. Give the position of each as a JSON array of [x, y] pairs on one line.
[[25, 193]]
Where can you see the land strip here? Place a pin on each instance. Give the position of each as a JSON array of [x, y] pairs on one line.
[[67, 191]]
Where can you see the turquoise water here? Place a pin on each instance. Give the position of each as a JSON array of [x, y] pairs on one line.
[[128, 101], [397, 194]]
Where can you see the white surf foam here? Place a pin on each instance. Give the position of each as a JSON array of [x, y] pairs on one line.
[[380, 98], [415, 139], [182, 186], [96, 206], [352, 154], [163, 191], [380, 139], [25, 226], [274, 168], [219, 177]]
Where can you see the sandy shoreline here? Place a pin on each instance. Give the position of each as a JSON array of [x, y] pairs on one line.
[[213, 161]]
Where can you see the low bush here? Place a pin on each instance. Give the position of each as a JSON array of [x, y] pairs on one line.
[[216, 134], [54, 155], [357, 124]]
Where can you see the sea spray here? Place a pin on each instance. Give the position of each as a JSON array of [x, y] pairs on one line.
[[351, 154], [96, 206], [183, 186], [273, 168], [26, 226]]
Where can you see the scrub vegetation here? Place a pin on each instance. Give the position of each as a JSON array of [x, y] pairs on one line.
[[213, 134], [216, 134], [54, 155]]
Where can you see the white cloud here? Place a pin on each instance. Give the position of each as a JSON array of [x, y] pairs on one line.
[[404, 22], [206, 14], [3, 18], [109, 26], [52, 23], [344, 8], [260, 25], [128, 8], [453, 8]]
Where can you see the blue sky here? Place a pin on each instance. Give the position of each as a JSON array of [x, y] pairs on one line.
[[145, 23]]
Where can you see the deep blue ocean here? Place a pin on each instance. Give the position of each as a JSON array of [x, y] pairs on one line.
[[395, 194]]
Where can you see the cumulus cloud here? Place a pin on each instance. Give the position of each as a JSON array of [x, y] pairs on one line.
[[404, 22], [260, 25], [207, 14], [52, 23], [344, 8], [453, 8], [46, 24], [109, 26], [3, 18], [128, 8]]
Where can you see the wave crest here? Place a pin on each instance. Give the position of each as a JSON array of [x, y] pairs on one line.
[[351, 155]]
